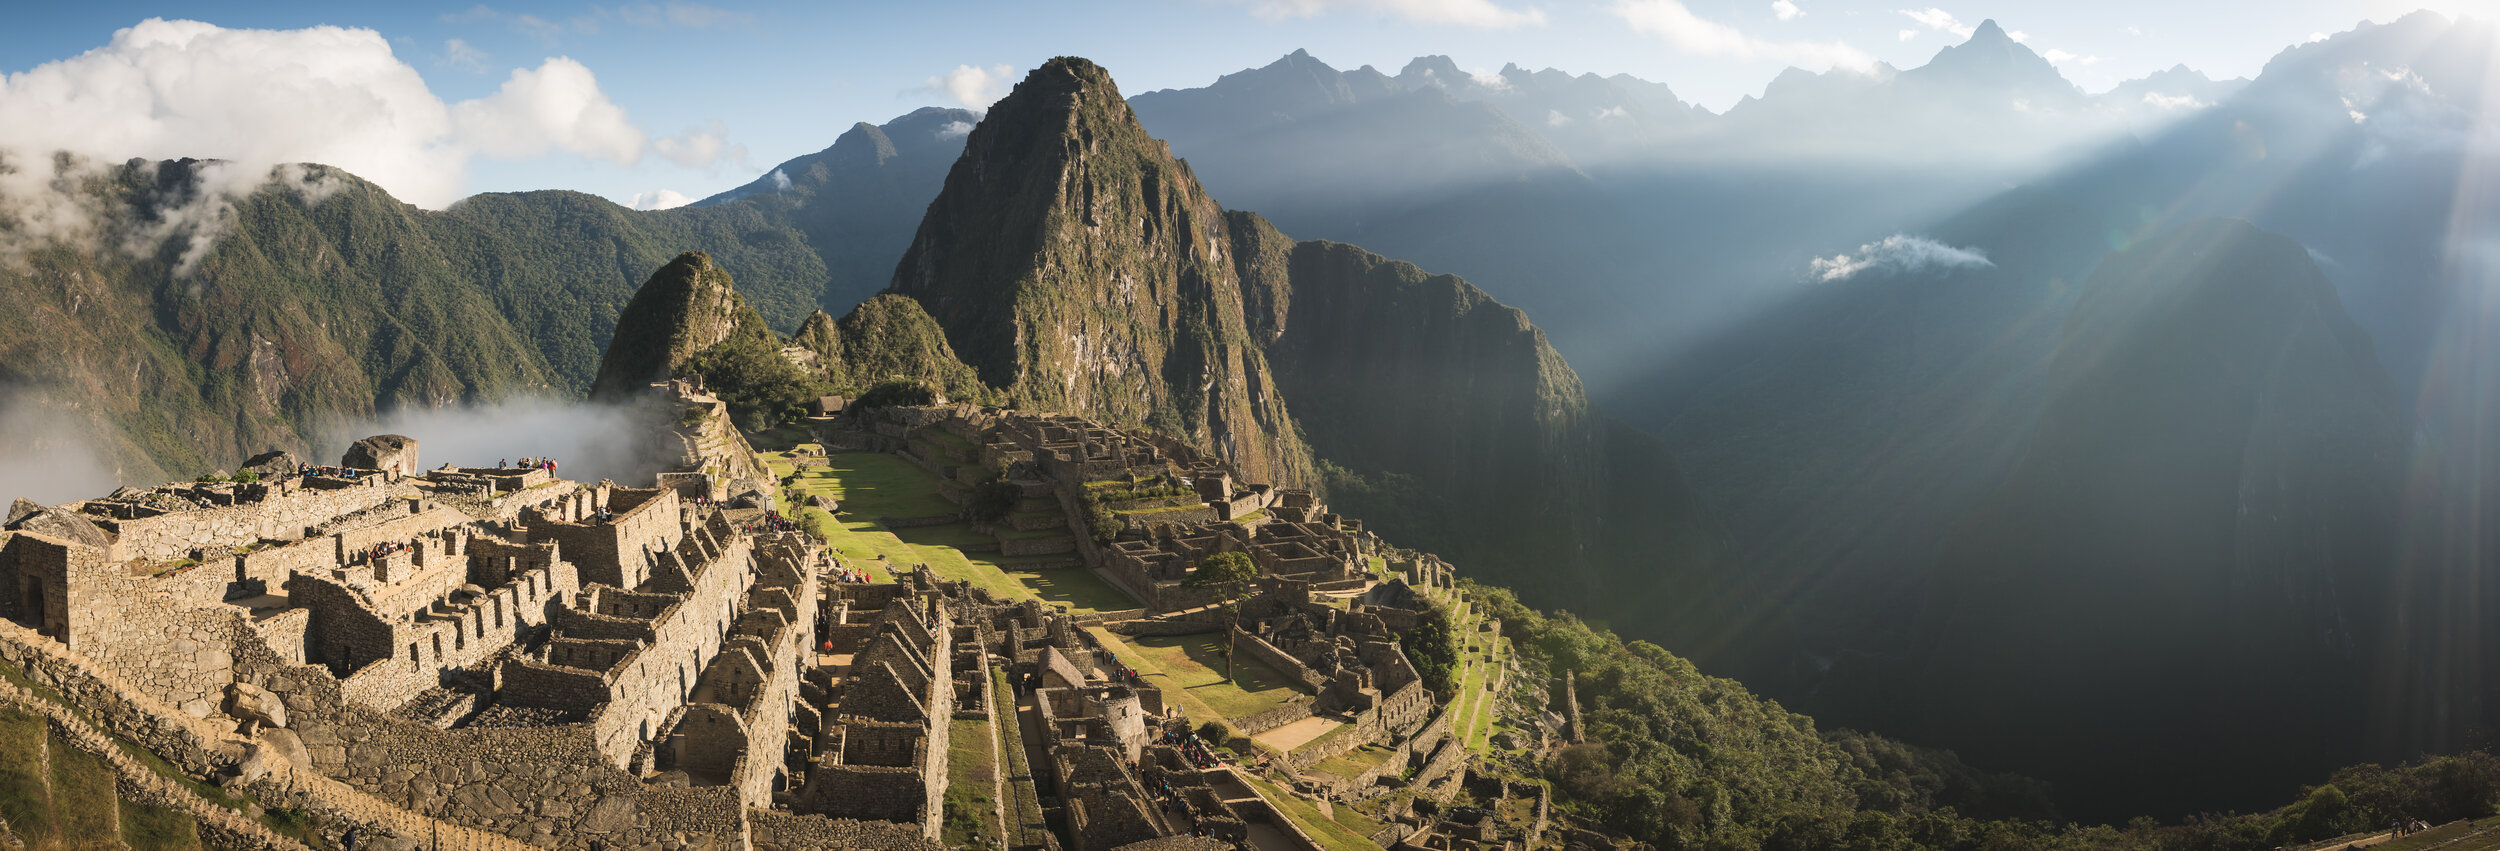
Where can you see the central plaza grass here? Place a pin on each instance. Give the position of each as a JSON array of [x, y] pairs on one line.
[[1346, 829], [1352, 764], [870, 485], [971, 784], [1195, 664]]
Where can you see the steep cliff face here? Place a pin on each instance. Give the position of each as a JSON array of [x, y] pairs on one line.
[[2190, 560], [1398, 376], [1077, 266], [688, 306]]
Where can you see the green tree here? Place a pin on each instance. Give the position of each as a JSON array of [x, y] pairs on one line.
[[994, 499], [1432, 647], [1229, 575]]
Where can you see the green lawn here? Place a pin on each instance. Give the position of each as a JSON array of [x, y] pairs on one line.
[[875, 484], [872, 485], [1192, 665], [83, 804], [1348, 829], [1024, 811], [25, 796], [1352, 764], [971, 784]]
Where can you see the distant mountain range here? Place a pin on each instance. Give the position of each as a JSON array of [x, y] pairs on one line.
[[1851, 340]]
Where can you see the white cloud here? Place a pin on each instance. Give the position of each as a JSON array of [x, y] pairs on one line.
[[2060, 57], [458, 54], [1555, 118], [2135, 31], [661, 199], [693, 16], [1938, 19], [2164, 102], [558, 106], [2316, 37], [781, 182], [1612, 112], [1787, 11], [1906, 35], [974, 87], [705, 147], [1898, 254], [954, 129], [1478, 14], [1490, 79], [255, 100], [2018, 36], [1670, 22]]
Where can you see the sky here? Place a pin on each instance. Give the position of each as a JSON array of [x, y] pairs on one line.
[[656, 104]]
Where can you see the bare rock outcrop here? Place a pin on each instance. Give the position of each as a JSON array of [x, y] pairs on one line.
[[390, 453]]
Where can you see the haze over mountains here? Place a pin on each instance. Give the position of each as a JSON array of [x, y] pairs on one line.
[[1936, 400]]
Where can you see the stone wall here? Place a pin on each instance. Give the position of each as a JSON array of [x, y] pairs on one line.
[[1252, 725], [615, 552], [1283, 662], [284, 512], [152, 630], [778, 831]]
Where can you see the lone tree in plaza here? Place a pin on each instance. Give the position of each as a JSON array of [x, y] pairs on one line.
[[1229, 575]]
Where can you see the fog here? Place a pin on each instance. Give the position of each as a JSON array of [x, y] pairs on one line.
[[588, 441], [46, 457]]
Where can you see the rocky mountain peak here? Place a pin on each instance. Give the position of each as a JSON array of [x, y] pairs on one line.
[[686, 307], [1078, 266]]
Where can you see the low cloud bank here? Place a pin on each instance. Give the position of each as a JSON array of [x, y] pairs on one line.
[[45, 456], [1898, 254], [589, 441]]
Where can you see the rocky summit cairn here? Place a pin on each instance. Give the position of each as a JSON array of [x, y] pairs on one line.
[[390, 453]]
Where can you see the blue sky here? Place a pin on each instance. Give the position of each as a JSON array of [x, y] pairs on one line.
[[715, 94]]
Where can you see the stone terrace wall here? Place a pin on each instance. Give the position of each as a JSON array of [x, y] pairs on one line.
[[1284, 662], [778, 831], [166, 634], [283, 515], [1252, 725]]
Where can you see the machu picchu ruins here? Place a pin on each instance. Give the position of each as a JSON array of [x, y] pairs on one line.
[[499, 657]]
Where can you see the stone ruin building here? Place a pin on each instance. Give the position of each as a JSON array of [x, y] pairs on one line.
[[527, 660], [504, 651]]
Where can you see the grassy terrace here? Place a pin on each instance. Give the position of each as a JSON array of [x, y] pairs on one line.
[[971, 784], [1024, 812], [1352, 764], [870, 485], [1191, 665], [1344, 830]]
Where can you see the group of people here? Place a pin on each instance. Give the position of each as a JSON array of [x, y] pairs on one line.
[[771, 523], [1191, 748], [1120, 672], [384, 548], [332, 472], [547, 464], [1173, 803]]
